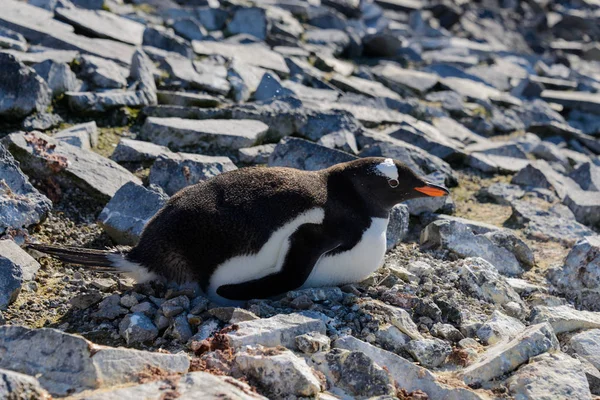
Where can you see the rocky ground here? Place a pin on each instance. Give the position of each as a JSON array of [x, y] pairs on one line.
[[107, 108]]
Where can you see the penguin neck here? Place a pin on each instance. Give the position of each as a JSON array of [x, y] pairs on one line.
[[357, 194]]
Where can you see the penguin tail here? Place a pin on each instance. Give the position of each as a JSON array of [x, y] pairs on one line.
[[100, 260]]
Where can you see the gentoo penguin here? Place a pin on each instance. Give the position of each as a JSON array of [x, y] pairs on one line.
[[259, 232]]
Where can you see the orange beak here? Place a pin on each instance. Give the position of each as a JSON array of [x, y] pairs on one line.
[[433, 190]]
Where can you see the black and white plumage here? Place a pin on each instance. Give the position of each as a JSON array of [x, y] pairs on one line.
[[258, 232]]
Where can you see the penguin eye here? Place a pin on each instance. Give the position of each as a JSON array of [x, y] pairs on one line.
[[393, 183]]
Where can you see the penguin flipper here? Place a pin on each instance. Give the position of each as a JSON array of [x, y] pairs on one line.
[[307, 245]]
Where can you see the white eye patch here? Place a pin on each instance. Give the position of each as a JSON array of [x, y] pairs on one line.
[[388, 169]]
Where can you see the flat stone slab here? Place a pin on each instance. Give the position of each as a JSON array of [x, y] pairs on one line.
[[102, 24], [127, 213], [69, 364], [565, 319], [129, 150], [405, 81], [585, 205], [194, 385], [16, 267], [43, 156], [508, 356], [280, 330], [587, 345], [39, 26], [584, 101], [255, 54], [14, 385], [301, 154], [174, 171], [190, 134]]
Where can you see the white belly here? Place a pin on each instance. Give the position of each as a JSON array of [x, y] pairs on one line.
[[355, 264], [267, 261]]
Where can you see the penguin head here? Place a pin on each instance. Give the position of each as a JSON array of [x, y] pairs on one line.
[[388, 182]]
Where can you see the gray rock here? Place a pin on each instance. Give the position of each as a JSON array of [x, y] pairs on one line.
[[355, 373], [22, 91], [174, 171], [398, 225], [39, 26], [591, 373], [484, 282], [429, 352], [587, 345], [362, 86], [84, 135], [585, 206], [110, 308], [68, 364], [550, 376], [341, 140], [102, 24], [129, 150], [175, 306], [581, 270], [166, 39], [14, 385], [256, 154], [587, 175], [496, 164], [186, 99], [478, 228], [312, 342], [406, 374], [541, 174], [498, 328], [583, 101], [428, 138], [43, 156], [334, 40], [280, 371], [16, 268], [180, 329], [398, 317], [251, 20], [12, 40], [98, 102], [501, 193], [270, 87], [58, 75], [461, 240], [189, 134], [126, 214], [302, 154], [21, 205], [391, 338], [509, 241], [102, 73], [232, 315], [189, 28], [58, 56], [557, 223], [405, 81], [447, 332], [43, 121], [137, 328], [550, 152], [253, 54], [508, 356], [183, 70], [142, 71], [280, 330], [244, 79], [565, 319]]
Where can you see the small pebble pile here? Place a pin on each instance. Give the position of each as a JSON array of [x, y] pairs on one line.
[[109, 107]]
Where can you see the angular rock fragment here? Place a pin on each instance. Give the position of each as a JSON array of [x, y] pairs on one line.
[[541, 174], [137, 328], [189, 134], [189, 28], [584, 101], [587, 345], [292, 152], [429, 352], [552, 376], [127, 213], [102, 24], [66, 363], [251, 20], [397, 228], [565, 318], [459, 239], [280, 371], [498, 328], [45, 157], [186, 99], [21, 205], [508, 356], [166, 39], [84, 135], [189, 75], [101, 73], [256, 154], [22, 91], [16, 267], [312, 342], [587, 175], [405, 81], [14, 385], [129, 150], [585, 205], [58, 75], [280, 330]]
